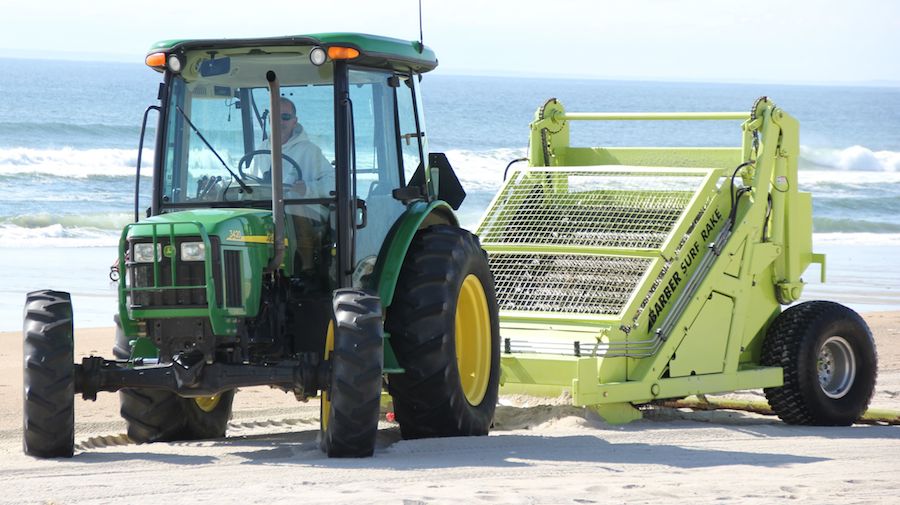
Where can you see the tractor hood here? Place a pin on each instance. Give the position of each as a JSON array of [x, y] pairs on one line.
[[203, 263], [231, 226]]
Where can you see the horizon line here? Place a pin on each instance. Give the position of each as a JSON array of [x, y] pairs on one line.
[[100, 57]]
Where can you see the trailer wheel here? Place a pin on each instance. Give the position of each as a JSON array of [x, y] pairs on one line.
[[154, 415], [444, 330], [829, 361], [49, 375], [352, 401]]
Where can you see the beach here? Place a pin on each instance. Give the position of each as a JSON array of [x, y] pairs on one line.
[[540, 451], [69, 190]]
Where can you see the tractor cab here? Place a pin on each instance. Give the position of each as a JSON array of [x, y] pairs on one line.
[[352, 134]]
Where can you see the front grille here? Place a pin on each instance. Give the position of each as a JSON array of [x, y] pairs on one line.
[[233, 278], [165, 294], [186, 275]]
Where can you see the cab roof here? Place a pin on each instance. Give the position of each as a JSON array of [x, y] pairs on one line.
[[374, 50]]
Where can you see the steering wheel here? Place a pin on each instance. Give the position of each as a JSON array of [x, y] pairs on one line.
[[248, 158]]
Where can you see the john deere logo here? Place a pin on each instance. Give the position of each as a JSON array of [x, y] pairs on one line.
[[169, 251]]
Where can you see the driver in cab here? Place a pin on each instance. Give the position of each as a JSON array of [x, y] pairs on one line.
[[315, 179]]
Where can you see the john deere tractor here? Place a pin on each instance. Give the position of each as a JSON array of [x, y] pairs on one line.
[[240, 274]]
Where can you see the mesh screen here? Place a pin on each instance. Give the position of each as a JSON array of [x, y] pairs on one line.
[[565, 283], [600, 208]]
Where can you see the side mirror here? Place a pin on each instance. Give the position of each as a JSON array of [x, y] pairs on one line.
[[442, 175], [449, 188]]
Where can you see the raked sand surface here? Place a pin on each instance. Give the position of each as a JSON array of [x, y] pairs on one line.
[[538, 453]]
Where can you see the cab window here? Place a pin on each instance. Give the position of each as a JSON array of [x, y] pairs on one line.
[[410, 137]]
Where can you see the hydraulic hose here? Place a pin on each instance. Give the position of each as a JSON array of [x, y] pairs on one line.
[[871, 416]]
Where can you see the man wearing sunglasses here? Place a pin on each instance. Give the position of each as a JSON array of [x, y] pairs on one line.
[[317, 181], [318, 174]]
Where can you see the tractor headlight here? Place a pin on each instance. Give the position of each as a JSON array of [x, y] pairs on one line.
[[193, 251], [317, 56], [143, 252], [175, 63]]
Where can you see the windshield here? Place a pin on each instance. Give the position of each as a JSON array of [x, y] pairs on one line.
[[216, 149], [217, 145]]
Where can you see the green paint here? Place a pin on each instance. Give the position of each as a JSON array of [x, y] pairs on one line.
[[241, 230], [391, 365], [418, 215], [375, 51], [143, 348]]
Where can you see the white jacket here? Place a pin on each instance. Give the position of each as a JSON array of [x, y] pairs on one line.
[[318, 173]]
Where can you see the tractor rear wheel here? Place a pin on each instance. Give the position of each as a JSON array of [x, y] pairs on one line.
[[444, 330], [829, 361], [154, 415], [49, 375], [351, 403]]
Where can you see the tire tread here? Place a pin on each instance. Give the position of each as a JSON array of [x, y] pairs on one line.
[[48, 375], [428, 397], [357, 362], [791, 343]]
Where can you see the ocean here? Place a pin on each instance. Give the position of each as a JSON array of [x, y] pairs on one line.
[[69, 135]]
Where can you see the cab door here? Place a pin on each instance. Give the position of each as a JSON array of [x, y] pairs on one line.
[[386, 143]]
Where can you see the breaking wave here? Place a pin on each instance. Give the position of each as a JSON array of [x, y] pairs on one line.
[[74, 163], [854, 158], [84, 196], [62, 230]]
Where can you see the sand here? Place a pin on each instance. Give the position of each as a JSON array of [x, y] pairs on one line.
[[541, 451]]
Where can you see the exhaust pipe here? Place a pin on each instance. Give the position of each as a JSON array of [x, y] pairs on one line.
[[277, 184]]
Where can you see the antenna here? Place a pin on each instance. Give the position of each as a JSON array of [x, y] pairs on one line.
[[421, 39]]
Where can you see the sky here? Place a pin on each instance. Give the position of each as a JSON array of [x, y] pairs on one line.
[[775, 41]]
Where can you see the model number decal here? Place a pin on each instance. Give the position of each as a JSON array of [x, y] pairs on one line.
[[690, 256], [664, 298]]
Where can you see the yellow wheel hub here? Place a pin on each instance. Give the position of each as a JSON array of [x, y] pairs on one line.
[[325, 402], [208, 403], [473, 339]]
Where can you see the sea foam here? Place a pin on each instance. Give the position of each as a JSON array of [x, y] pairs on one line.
[[855, 158], [69, 162], [55, 235], [480, 169]]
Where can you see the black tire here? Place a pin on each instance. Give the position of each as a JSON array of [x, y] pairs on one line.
[[829, 361], [154, 415], [351, 404], [430, 399], [49, 375]]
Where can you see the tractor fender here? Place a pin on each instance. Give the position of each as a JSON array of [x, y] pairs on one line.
[[417, 216]]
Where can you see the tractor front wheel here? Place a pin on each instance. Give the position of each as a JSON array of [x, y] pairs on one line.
[[444, 330], [49, 375], [829, 361], [351, 403], [154, 415]]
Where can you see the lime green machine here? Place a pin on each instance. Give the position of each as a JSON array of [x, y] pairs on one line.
[[629, 275]]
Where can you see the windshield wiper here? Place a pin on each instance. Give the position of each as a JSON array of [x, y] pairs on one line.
[[244, 186]]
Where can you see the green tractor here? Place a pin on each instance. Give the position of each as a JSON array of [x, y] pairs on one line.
[[330, 263]]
